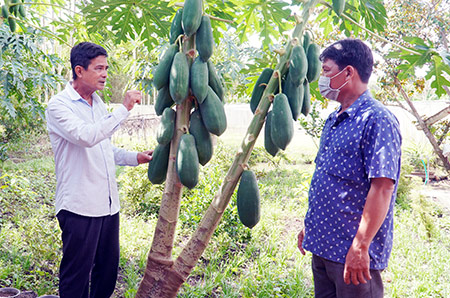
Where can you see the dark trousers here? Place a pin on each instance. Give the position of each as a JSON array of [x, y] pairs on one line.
[[329, 282], [90, 252]]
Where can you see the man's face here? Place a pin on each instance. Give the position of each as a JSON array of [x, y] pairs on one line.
[[331, 69], [96, 73]]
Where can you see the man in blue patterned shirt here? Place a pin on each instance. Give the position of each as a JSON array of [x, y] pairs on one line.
[[349, 223]]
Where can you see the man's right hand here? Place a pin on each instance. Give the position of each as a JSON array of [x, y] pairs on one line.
[[132, 97], [301, 235]]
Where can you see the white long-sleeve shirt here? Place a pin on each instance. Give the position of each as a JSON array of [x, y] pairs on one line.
[[85, 159]]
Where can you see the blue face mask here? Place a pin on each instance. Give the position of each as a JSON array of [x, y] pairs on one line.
[[325, 87]]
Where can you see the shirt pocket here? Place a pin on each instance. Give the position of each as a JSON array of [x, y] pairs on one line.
[[345, 162]]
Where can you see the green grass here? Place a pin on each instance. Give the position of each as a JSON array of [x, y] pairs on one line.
[[238, 262]]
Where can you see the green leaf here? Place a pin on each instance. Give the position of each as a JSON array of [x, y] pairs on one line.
[[373, 14], [264, 18], [414, 40], [437, 74], [124, 19], [327, 26]]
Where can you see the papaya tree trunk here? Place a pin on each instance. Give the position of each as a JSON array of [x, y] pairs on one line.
[[159, 260], [424, 126], [163, 277]]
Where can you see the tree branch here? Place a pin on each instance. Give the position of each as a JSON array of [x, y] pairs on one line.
[[422, 124], [344, 15]]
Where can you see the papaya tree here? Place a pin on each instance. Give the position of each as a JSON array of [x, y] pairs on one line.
[[178, 166], [26, 73]]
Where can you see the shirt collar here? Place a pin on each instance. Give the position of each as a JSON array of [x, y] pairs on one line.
[[75, 96], [353, 109]]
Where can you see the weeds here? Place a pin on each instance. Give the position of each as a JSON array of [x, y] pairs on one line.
[[238, 262]]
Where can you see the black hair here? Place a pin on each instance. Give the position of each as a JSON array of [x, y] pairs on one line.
[[83, 53], [352, 52]]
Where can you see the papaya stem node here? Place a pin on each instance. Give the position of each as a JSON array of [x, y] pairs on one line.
[[244, 166], [280, 52], [277, 74]]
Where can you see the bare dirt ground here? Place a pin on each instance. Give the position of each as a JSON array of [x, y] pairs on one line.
[[438, 192]]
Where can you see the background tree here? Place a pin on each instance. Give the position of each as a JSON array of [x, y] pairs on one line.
[[26, 73], [421, 70]]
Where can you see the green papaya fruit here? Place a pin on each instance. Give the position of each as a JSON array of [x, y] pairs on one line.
[[338, 6], [192, 16], [12, 24], [204, 40], [187, 161], [5, 12], [199, 79], [214, 81], [176, 29], [179, 78], [213, 113], [203, 140], [163, 100], [268, 143], [298, 65], [259, 88], [14, 8], [248, 200], [294, 95], [307, 39], [161, 74], [157, 167], [22, 11], [314, 65], [306, 107], [166, 127], [282, 126]]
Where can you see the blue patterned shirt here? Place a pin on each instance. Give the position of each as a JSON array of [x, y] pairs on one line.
[[361, 143]]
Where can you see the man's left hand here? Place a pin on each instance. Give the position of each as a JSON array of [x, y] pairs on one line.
[[357, 266], [144, 157]]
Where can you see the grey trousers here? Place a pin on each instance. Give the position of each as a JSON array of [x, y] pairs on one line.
[[329, 282]]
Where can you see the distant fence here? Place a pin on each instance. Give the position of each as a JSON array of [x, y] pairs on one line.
[[143, 121]]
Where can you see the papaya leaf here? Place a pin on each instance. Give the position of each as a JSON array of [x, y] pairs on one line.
[[437, 71], [413, 58], [414, 61], [414, 40], [323, 15], [314, 88], [267, 16], [373, 14], [128, 18], [327, 26]]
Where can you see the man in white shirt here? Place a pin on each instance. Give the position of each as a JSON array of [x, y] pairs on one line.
[[87, 201]]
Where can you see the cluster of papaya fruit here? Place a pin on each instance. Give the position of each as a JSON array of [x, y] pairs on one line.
[[16, 8], [293, 97], [177, 78]]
